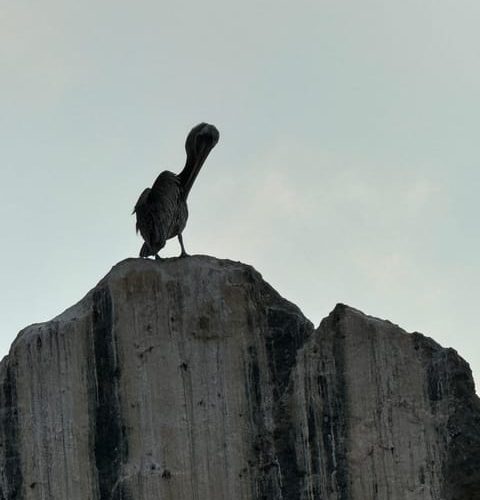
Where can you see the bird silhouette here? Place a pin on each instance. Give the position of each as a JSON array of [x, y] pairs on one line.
[[162, 210]]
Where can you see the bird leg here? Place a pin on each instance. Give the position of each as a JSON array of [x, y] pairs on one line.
[[157, 257], [180, 239]]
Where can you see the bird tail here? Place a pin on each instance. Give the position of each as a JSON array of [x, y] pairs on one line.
[[145, 251]]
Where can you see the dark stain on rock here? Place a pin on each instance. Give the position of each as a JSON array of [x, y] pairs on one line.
[[462, 467], [254, 379], [166, 474], [266, 481], [110, 437], [204, 323], [9, 430], [421, 475], [287, 332], [449, 377], [332, 388], [313, 447], [340, 409], [431, 355]]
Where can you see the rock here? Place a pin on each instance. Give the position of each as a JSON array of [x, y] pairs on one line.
[[193, 379], [382, 414]]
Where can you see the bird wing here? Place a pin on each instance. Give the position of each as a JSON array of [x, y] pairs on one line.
[[156, 210]]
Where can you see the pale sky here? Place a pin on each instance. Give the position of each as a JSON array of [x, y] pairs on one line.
[[347, 168]]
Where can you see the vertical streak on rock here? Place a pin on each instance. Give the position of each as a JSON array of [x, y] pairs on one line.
[[433, 359], [338, 436], [326, 411], [110, 442], [92, 406], [265, 473], [13, 480], [265, 485], [463, 458], [286, 334]]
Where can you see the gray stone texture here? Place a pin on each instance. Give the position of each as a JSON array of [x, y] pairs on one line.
[[193, 379]]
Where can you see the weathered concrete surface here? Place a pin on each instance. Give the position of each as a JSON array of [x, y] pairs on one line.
[[193, 379]]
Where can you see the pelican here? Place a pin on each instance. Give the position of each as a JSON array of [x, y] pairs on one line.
[[162, 210]]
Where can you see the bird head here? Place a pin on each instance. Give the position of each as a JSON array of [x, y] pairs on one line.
[[201, 140]]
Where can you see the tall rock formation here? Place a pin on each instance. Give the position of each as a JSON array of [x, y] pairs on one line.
[[193, 379]]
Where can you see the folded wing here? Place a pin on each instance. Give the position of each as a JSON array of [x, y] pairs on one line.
[[156, 212]]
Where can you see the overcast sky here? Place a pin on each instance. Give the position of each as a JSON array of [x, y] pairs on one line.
[[347, 168]]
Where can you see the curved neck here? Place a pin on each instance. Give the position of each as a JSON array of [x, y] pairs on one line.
[[190, 171]]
